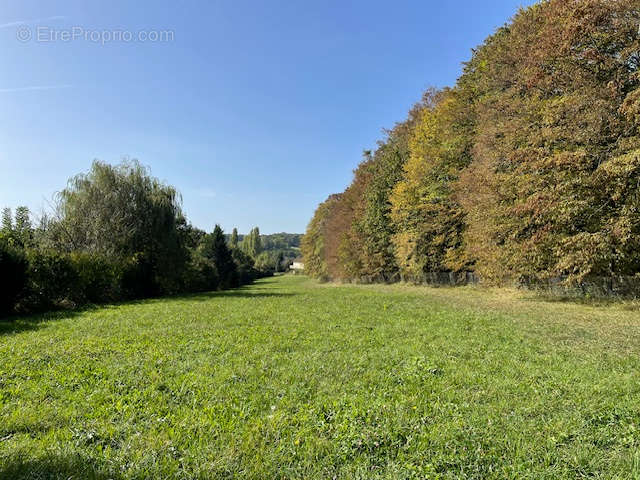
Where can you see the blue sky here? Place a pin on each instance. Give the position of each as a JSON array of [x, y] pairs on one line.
[[255, 110]]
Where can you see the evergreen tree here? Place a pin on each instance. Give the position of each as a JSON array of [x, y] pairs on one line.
[[23, 228], [216, 250]]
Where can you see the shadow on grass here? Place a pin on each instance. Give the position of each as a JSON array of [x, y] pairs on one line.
[[237, 293], [54, 467], [595, 302], [18, 323]]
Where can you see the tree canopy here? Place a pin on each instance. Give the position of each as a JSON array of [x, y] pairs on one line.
[[527, 169]]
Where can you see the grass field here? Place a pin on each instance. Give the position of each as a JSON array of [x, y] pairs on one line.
[[291, 379]]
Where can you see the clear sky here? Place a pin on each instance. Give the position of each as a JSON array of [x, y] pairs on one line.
[[255, 110]]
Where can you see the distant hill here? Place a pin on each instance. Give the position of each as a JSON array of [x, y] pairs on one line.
[[277, 241], [282, 248], [281, 241]]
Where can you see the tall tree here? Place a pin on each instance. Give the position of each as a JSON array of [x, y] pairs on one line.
[[551, 190], [7, 221], [429, 223], [234, 238], [313, 245], [124, 212], [215, 248], [252, 243], [23, 229]]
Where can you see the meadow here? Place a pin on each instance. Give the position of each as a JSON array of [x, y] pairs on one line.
[[289, 378]]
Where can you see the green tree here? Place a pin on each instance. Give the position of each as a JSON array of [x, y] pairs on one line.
[[234, 238], [13, 279], [280, 262], [23, 229], [7, 221], [252, 243], [123, 212], [215, 249], [265, 263]]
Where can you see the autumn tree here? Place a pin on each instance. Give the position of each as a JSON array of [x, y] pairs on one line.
[[550, 190], [429, 222], [313, 244]]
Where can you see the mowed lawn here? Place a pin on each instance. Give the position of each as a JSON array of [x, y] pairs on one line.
[[292, 379]]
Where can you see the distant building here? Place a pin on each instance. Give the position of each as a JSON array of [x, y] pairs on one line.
[[297, 266]]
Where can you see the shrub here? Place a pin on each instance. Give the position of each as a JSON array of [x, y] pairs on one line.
[[246, 272], [98, 278], [138, 278], [13, 278], [201, 275], [52, 281]]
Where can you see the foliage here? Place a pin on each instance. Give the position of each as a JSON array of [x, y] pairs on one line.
[[526, 170], [554, 130], [233, 242], [283, 248], [375, 225], [99, 278], [280, 241], [17, 230], [117, 233], [265, 262], [215, 250], [428, 220], [53, 280], [245, 266], [13, 277], [122, 211], [252, 243], [313, 243]]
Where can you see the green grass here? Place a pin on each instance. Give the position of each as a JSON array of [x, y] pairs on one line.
[[291, 379]]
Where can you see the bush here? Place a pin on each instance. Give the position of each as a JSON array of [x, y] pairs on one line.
[[98, 278], [246, 272], [201, 275], [138, 278], [266, 264], [53, 281], [13, 279]]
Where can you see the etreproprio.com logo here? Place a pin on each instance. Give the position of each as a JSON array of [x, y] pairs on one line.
[[46, 34]]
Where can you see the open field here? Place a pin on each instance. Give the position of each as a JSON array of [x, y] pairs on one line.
[[291, 379]]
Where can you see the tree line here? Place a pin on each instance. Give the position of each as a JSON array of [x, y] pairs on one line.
[[528, 169], [115, 233], [274, 252]]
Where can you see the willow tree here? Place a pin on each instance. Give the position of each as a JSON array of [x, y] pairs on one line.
[[121, 211]]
